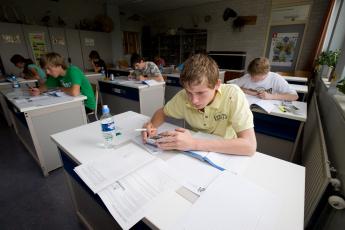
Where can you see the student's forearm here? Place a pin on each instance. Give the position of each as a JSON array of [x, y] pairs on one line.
[[158, 118], [158, 78], [249, 91], [237, 146], [72, 91], [286, 97]]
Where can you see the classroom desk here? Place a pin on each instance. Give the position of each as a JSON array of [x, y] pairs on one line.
[[81, 145], [122, 95], [34, 123], [8, 85], [296, 80], [93, 77], [278, 133], [118, 72]]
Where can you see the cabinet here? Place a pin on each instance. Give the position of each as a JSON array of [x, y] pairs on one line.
[[175, 49]]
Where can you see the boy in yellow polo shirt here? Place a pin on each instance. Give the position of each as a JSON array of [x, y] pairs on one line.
[[207, 106]]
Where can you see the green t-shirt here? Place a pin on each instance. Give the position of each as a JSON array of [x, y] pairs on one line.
[[74, 76]]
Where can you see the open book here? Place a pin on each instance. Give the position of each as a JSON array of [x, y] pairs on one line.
[[266, 105], [233, 163]]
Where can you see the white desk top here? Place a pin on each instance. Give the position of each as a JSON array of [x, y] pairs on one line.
[[92, 74], [123, 81], [299, 88], [297, 79], [284, 179], [177, 75], [30, 105], [20, 81]]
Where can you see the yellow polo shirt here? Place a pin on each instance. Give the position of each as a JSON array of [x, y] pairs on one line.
[[227, 115]]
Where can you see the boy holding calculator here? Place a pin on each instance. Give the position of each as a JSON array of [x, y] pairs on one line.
[[207, 106]]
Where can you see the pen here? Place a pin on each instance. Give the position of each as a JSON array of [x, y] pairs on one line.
[[27, 85], [143, 129]]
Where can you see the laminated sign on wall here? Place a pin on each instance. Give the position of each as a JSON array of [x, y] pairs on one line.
[[38, 45], [283, 49]]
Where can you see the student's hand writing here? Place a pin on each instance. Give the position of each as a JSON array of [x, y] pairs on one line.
[[142, 78], [34, 91], [179, 139], [264, 95], [151, 131]]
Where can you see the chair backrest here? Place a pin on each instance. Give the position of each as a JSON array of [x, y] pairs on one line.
[[302, 73], [285, 73], [95, 91]]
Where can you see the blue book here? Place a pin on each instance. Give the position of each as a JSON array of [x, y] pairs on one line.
[[204, 156]]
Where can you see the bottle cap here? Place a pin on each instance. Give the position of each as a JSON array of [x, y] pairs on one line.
[[105, 109]]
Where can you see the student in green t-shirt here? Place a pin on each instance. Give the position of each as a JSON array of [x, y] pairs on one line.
[[70, 80]]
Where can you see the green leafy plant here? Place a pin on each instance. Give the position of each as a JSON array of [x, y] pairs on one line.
[[328, 58]]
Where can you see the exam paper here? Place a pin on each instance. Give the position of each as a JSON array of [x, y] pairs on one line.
[[232, 202], [130, 199], [197, 174], [106, 170]]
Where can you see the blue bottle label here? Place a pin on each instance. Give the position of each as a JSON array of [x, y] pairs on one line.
[[108, 127]]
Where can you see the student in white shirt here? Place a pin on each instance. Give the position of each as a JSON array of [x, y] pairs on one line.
[[260, 82]]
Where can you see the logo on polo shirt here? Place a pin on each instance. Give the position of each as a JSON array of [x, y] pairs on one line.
[[221, 116]]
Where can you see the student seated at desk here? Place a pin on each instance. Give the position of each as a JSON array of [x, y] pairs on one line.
[[144, 69], [260, 82], [96, 62], [30, 70], [208, 106], [71, 80]]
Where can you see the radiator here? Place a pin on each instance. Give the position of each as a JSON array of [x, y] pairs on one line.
[[315, 160]]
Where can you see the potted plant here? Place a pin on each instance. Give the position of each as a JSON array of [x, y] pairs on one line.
[[327, 58]]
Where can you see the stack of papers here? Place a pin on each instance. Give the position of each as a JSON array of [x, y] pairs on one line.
[[129, 182], [256, 208]]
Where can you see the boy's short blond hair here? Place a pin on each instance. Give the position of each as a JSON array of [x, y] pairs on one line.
[[198, 69], [259, 66], [52, 59]]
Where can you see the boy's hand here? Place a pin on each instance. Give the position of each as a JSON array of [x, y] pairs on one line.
[[151, 131], [179, 139], [264, 95], [34, 91]]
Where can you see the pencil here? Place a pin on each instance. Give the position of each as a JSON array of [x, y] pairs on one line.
[[143, 129]]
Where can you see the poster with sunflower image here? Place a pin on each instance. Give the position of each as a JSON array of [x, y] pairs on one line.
[[283, 49]]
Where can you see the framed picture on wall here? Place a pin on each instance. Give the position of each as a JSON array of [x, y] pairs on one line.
[[283, 46]]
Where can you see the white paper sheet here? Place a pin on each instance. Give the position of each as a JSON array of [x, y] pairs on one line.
[[105, 171], [130, 198], [232, 202], [127, 129], [197, 174]]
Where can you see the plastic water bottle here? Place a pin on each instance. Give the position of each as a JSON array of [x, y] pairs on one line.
[[15, 83], [161, 68], [103, 73], [108, 127]]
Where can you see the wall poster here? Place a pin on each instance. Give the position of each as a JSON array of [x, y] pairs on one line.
[[283, 48], [38, 45]]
